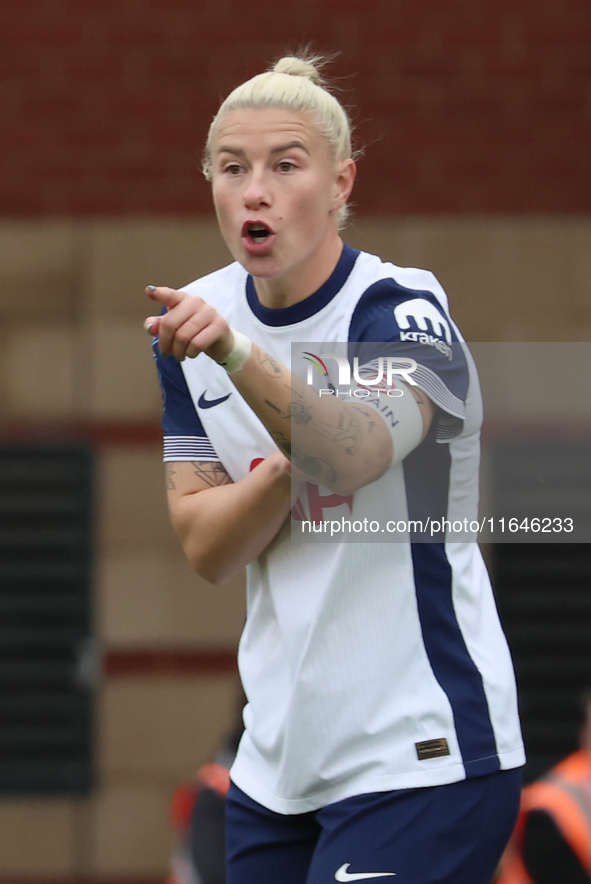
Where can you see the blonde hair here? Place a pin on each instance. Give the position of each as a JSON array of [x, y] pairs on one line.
[[294, 83]]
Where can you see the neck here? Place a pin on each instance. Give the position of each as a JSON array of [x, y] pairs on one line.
[[302, 280]]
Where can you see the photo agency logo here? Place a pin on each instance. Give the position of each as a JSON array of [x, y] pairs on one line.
[[376, 377], [316, 362]]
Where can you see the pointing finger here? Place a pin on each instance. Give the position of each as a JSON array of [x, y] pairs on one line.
[[165, 295]]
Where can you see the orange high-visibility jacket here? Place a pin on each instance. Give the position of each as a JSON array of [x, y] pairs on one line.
[[564, 793]]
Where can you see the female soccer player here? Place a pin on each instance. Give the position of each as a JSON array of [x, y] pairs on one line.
[[382, 737]]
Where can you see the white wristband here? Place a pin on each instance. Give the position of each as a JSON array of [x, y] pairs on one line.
[[239, 353]]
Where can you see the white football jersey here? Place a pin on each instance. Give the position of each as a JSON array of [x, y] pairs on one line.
[[367, 666]]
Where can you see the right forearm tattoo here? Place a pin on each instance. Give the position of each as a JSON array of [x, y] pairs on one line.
[[169, 472], [213, 473]]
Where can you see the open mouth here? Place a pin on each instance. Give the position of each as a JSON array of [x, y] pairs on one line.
[[256, 232]]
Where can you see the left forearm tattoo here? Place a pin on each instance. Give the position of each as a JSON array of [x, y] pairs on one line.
[[314, 467], [270, 365]]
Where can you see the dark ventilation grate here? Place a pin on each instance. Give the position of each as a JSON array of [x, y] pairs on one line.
[[544, 479], [543, 592], [46, 660]]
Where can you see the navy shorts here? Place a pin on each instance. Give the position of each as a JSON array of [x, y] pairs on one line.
[[452, 834]]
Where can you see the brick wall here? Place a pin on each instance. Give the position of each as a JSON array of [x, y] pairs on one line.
[[463, 105]]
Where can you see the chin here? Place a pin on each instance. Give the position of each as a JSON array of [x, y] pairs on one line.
[[263, 268]]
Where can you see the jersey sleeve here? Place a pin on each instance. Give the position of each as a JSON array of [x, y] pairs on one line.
[[405, 324], [184, 435]]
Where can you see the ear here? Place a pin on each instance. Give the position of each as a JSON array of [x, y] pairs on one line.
[[344, 180]]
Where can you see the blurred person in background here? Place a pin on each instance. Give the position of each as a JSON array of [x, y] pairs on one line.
[[381, 730], [552, 839], [198, 818], [198, 815]]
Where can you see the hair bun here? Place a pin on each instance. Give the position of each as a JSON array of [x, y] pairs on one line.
[[299, 67]]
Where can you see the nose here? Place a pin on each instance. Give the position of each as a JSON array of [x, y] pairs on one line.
[[257, 191]]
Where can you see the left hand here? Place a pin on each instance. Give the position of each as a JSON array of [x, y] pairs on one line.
[[191, 326]]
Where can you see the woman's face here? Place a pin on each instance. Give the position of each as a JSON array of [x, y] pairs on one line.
[[276, 189]]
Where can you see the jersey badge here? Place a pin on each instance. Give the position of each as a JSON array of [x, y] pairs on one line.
[[432, 749]]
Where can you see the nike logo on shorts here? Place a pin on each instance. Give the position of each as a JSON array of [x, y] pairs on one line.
[[209, 403], [343, 875]]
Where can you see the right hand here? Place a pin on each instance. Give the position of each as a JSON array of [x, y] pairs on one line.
[[191, 326]]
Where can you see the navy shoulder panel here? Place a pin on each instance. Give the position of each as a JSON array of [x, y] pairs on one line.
[[415, 321], [387, 310]]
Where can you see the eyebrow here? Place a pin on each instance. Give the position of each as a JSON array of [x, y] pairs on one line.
[[281, 148], [291, 144]]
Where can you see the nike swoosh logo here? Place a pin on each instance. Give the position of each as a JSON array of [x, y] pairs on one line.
[[209, 403], [343, 875]]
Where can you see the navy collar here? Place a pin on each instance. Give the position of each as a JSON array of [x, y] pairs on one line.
[[277, 316]]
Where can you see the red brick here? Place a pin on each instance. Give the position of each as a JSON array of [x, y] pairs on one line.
[[472, 104], [119, 34], [440, 66], [559, 28], [560, 107], [452, 100], [484, 164], [391, 34], [370, 7], [31, 36], [19, 136], [105, 8], [66, 105], [504, 69], [189, 66], [191, 7], [79, 69]]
